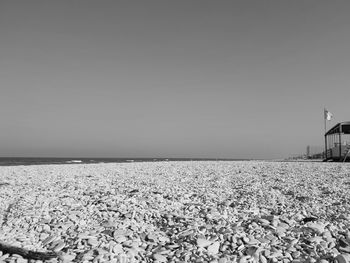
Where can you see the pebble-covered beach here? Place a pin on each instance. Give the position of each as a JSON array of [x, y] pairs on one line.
[[217, 212]]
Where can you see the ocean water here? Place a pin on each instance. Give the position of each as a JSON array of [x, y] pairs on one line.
[[11, 161]]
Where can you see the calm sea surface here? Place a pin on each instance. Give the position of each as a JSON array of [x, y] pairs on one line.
[[9, 161]]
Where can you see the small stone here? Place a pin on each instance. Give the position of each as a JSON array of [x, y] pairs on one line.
[[67, 257], [214, 248], [222, 260], [21, 260], [121, 239], [316, 240], [46, 228], [283, 225], [132, 252], [317, 227], [276, 254], [343, 242], [59, 246], [48, 240], [331, 245], [245, 239], [263, 240], [93, 242], [5, 256], [201, 242], [312, 260], [281, 229], [343, 258], [159, 258], [296, 254], [244, 259], [262, 259], [118, 249], [43, 236], [152, 238], [163, 239], [335, 251], [345, 249], [264, 222], [119, 232]]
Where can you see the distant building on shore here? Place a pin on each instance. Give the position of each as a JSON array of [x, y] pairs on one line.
[[314, 152]]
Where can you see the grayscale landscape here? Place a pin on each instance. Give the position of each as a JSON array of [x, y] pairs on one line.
[[157, 131]]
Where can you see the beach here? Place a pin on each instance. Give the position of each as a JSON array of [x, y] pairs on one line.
[[189, 211]]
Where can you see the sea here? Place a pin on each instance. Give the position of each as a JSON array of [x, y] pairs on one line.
[[13, 161]]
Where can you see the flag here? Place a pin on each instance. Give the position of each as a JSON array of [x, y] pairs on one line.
[[328, 115]]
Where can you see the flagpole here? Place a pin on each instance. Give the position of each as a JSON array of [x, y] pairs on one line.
[[325, 130], [324, 118]]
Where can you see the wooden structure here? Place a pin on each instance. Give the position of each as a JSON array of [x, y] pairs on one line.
[[337, 143]]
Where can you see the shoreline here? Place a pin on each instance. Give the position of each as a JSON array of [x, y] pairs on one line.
[[17, 161]]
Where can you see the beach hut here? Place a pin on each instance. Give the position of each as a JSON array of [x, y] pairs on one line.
[[337, 143]]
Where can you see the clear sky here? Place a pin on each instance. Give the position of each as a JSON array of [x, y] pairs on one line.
[[184, 78]]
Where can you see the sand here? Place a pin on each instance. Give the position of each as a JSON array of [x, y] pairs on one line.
[[245, 211]]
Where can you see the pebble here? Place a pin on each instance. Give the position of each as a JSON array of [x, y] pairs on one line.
[[213, 249], [59, 246], [49, 239], [21, 260], [296, 254], [93, 242], [223, 260], [264, 221], [201, 242], [46, 228], [345, 249], [121, 239], [67, 257], [342, 258], [317, 227], [118, 249], [179, 211], [152, 238], [159, 258]]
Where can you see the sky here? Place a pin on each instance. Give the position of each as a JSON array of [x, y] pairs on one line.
[[194, 78]]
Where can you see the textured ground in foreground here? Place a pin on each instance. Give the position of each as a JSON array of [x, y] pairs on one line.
[[178, 211]]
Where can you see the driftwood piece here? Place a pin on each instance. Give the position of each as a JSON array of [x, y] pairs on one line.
[[25, 253]]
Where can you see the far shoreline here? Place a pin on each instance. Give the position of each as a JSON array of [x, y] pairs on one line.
[[27, 161]]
